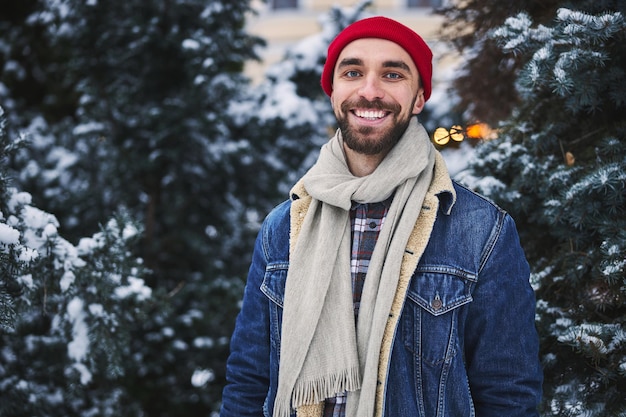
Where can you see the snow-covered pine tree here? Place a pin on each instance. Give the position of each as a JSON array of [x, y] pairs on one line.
[[128, 109], [14, 257], [150, 83], [487, 73], [65, 330], [560, 168]]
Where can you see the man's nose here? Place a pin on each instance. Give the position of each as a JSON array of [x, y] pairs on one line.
[[371, 88]]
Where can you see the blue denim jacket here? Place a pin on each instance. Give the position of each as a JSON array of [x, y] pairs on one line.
[[465, 343]]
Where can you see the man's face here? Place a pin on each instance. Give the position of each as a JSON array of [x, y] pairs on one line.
[[376, 89]]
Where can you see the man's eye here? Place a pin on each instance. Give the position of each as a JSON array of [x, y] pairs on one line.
[[352, 74], [393, 76]]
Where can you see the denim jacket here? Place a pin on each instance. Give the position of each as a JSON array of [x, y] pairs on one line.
[[462, 338]]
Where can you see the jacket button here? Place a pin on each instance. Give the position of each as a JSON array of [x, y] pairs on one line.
[[436, 304]]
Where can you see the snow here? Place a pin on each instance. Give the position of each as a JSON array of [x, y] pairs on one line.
[[86, 128], [27, 254], [136, 287], [78, 347], [203, 342], [8, 235], [67, 280], [38, 219], [286, 104], [201, 377], [18, 199], [96, 310], [560, 75], [49, 230], [563, 322], [26, 281], [85, 373], [307, 51], [611, 250], [87, 245], [614, 267], [179, 345], [211, 231], [542, 54], [213, 8], [62, 159], [191, 44], [129, 230], [519, 24]]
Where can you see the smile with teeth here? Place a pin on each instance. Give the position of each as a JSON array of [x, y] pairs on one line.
[[370, 114]]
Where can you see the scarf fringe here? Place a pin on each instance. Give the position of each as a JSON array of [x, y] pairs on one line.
[[317, 390]]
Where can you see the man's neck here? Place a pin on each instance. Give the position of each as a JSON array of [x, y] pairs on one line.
[[360, 164]]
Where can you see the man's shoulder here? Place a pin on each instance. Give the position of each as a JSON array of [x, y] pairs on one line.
[[468, 199], [274, 232], [472, 214], [278, 214]]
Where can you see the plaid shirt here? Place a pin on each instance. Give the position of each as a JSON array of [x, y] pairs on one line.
[[366, 221]]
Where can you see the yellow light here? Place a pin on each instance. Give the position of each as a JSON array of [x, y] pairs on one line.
[[456, 133], [481, 131], [475, 131], [441, 136]]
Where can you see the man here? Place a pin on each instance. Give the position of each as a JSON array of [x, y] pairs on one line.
[[384, 288]]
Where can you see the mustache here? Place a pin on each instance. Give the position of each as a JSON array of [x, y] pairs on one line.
[[363, 103]]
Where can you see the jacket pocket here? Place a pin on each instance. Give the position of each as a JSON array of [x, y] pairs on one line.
[[430, 319], [273, 286]]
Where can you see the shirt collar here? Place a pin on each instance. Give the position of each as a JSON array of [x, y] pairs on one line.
[[386, 203]]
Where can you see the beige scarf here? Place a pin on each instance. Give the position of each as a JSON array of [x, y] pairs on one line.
[[322, 353]]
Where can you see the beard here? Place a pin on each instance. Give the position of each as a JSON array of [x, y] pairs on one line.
[[359, 138]]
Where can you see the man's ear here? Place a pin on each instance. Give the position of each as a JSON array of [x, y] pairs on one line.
[[419, 102]]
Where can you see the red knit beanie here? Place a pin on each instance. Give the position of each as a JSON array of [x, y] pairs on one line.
[[381, 28]]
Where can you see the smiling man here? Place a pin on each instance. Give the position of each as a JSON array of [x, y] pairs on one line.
[[381, 287], [376, 90]]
